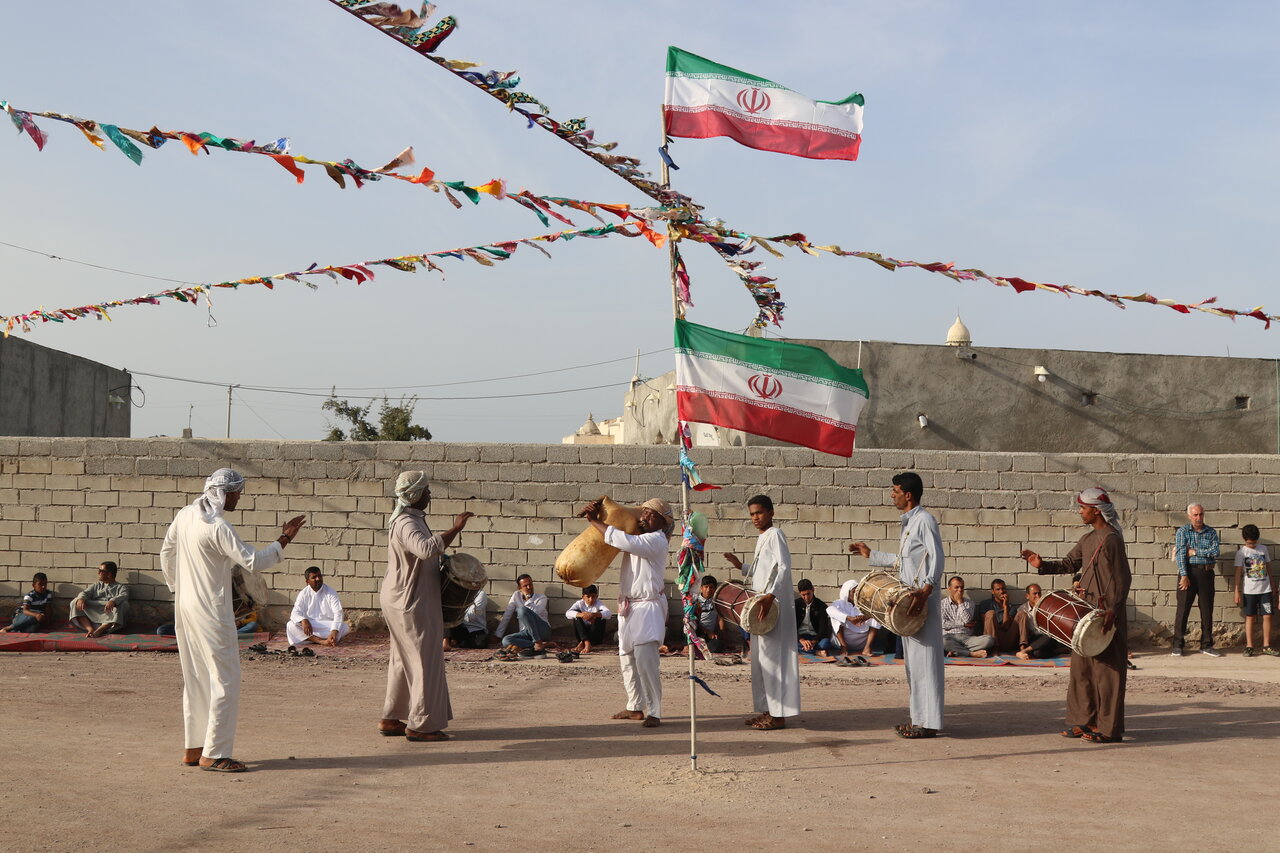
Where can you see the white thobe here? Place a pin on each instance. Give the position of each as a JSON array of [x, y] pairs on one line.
[[642, 615], [198, 559], [775, 663], [920, 561], [322, 609], [842, 614]]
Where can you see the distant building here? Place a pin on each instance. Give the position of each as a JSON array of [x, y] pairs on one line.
[[51, 393], [961, 397]]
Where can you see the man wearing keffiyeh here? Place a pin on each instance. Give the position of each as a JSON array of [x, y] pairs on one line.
[[200, 553], [1095, 693]]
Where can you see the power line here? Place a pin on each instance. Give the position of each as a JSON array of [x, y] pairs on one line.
[[53, 257]]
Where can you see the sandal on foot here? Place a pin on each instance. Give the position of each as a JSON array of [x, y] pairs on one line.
[[628, 715], [651, 722], [1074, 731], [225, 765], [916, 732], [768, 723], [1248, 651], [1267, 650], [419, 737], [393, 731], [1098, 737]]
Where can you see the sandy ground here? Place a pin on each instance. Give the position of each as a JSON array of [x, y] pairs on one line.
[[90, 745]]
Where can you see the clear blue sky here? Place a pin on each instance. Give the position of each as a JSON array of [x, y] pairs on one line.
[[1098, 144]]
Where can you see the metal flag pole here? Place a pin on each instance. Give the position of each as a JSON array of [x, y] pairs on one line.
[[677, 312]]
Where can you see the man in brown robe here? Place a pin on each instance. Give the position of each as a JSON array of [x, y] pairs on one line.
[[417, 703], [1095, 695]]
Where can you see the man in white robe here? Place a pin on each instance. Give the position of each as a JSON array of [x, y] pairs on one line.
[[317, 615], [920, 564], [854, 631], [775, 663], [200, 552], [642, 605]]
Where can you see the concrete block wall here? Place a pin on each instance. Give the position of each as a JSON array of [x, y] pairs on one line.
[[66, 504]]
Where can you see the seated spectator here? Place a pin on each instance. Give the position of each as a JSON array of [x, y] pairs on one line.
[[958, 623], [997, 618], [530, 610], [473, 631], [709, 624], [854, 631], [1031, 642], [317, 615], [30, 614], [813, 626], [589, 618], [103, 607]]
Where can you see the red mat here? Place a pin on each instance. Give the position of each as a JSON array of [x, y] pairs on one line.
[[75, 641]]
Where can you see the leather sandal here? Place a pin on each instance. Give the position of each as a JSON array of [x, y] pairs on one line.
[[421, 737], [916, 732], [1074, 731]]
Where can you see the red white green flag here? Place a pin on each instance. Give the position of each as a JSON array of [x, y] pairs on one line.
[[705, 99], [790, 392]]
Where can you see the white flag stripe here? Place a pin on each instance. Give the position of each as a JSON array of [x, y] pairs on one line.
[[824, 401], [785, 106]]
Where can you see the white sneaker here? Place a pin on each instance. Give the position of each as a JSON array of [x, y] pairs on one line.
[[1213, 653], [1177, 652]]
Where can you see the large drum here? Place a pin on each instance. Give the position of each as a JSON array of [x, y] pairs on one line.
[[461, 577], [740, 606], [886, 599], [1074, 622], [584, 560]]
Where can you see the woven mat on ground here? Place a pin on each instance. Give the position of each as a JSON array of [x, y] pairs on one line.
[[75, 641], [1015, 661]]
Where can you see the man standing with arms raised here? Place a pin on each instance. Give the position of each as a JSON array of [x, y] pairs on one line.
[[920, 566], [200, 552], [775, 662], [642, 605]]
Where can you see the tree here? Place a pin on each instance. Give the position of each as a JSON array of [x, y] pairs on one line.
[[395, 423]]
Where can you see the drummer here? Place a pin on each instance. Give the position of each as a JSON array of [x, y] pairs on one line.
[[775, 662], [642, 605], [1095, 694], [920, 563]]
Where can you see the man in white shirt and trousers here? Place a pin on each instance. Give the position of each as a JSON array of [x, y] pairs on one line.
[[200, 553], [775, 662], [920, 566], [642, 605], [317, 615]]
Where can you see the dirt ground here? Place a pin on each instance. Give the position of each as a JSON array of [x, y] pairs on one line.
[[90, 745]]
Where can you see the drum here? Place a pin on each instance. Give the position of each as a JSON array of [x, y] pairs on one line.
[[584, 560], [740, 606], [461, 577], [886, 599], [1072, 621]]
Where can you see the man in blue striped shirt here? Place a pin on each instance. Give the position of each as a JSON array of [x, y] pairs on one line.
[[1195, 550]]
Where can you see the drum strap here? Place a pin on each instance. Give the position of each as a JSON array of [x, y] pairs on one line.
[[1102, 596]]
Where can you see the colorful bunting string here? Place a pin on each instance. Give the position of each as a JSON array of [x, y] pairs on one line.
[[501, 85], [731, 243], [339, 171], [485, 255]]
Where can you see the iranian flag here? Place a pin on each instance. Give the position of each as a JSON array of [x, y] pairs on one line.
[[704, 99], [790, 392]]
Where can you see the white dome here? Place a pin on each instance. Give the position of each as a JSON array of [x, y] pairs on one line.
[[589, 428], [958, 334]]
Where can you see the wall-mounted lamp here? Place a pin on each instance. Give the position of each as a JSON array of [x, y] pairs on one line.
[[1041, 373], [924, 421]]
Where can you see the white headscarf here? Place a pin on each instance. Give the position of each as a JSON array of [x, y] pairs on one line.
[[1097, 497], [214, 499], [846, 588], [409, 488]]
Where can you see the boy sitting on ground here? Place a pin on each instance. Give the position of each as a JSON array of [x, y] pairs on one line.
[[31, 612], [589, 618]]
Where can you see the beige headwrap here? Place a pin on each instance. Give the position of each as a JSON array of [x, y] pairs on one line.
[[409, 488], [663, 509], [214, 500]]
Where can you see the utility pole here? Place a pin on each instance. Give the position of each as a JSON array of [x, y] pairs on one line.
[[229, 387]]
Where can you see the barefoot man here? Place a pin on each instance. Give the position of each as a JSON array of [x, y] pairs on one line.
[[920, 564]]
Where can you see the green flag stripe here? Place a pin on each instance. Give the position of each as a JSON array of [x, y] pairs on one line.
[[784, 359], [686, 64]]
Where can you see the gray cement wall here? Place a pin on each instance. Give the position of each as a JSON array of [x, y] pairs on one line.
[[67, 504], [988, 399], [46, 392]]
